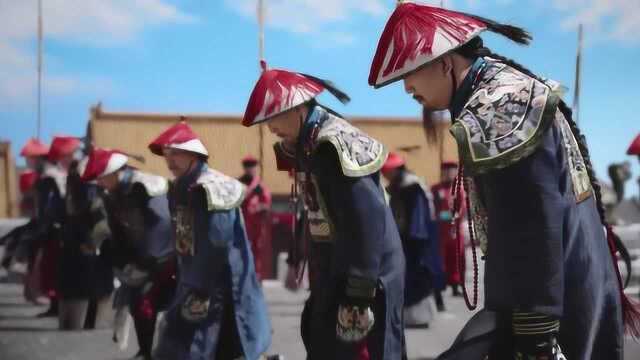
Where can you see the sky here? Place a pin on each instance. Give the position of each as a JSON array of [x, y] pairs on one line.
[[201, 56]]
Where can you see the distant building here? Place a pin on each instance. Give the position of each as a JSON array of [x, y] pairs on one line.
[[228, 141], [9, 206]]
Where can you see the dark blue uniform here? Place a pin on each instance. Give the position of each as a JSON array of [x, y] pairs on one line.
[[85, 272], [141, 249], [353, 235], [219, 311], [413, 211], [535, 215]]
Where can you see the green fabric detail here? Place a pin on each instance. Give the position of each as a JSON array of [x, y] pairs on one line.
[[222, 192], [347, 166], [358, 153]]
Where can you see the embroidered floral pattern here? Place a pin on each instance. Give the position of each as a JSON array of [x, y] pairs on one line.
[[223, 192], [479, 218], [184, 231], [319, 226], [354, 323], [359, 153], [195, 307], [577, 167], [502, 120]]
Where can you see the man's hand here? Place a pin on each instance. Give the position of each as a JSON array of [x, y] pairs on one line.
[[354, 322], [355, 312]]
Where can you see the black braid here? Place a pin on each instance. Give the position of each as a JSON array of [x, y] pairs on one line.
[[481, 51], [595, 184]]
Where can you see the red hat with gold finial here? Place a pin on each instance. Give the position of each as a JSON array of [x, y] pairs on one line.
[[180, 136], [34, 147], [62, 146], [417, 34], [279, 90], [394, 161], [103, 162]]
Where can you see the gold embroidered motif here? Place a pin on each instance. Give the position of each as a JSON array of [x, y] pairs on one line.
[[195, 308], [577, 167], [184, 231], [318, 225], [479, 219]]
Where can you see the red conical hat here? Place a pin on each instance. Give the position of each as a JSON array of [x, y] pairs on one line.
[[103, 162], [179, 136], [34, 147], [249, 160], [280, 90], [394, 161], [62, 146], [27, 180], [416, 35], [634, 148]]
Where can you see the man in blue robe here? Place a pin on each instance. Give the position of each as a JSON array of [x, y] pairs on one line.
[[85, 278], [552, 286], [354, 311], [219, 311], [412, 206], [140, 248]]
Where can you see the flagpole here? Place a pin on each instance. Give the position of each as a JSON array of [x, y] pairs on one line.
[[39, 126], [441, 136], [576, 94], [260, 60], [261, 30]]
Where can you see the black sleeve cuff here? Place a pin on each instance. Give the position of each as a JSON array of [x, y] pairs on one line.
[[360, 287]]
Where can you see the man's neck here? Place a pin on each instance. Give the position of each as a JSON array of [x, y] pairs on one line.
[[461, 68]]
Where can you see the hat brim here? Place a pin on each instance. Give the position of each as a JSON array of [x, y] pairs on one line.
[[193, 146], [410, 70]]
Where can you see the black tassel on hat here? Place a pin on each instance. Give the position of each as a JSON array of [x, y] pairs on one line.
[[330, 87]]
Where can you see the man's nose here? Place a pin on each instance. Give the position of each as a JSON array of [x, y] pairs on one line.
[[408, 88]]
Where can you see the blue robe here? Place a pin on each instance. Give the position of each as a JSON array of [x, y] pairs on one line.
[[215, 266], [141, 226], [546, 249], [413, 212], [353, 235], [84, 275]]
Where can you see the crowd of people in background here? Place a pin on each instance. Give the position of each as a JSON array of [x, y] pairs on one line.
[[95, 219]]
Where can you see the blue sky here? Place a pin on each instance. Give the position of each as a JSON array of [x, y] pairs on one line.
[[200, 56]]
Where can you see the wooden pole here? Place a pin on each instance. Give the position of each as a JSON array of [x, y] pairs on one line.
[[260, 60], [39, 126], [576, 94]]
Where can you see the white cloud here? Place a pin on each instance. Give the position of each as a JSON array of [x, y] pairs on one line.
[[614, 19], [617, 20], [311, 16], [84, 22], [94, 22]]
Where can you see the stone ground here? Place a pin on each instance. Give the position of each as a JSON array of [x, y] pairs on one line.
[[24, 337]]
